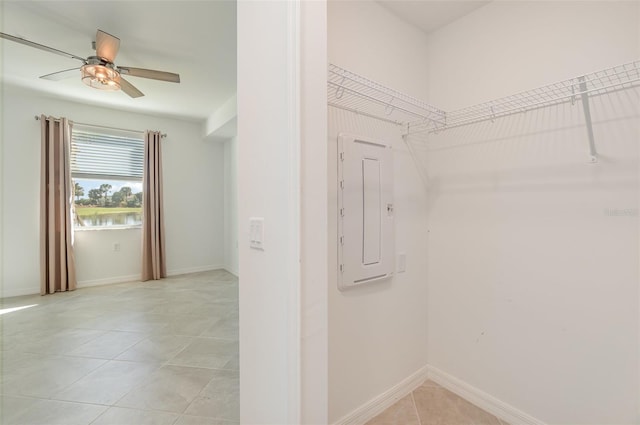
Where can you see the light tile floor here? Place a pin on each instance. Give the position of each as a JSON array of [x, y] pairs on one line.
[[430, 404], [160, 352]]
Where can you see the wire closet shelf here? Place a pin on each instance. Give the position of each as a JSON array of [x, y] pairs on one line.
[[571, 90], [352, 92]]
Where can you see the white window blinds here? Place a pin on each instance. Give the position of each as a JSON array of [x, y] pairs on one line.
[[99, 155]]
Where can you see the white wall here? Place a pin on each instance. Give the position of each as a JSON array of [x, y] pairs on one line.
[[96, 261], [377, 333], [367, 39], [532, 283], [193, 189], [231, 205]]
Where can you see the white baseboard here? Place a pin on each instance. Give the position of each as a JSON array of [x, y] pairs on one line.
[[19, 292], [116, 279], [137, 277], [109, 280], [233, 272], [485, 401], [197, 269], [379, 404], [481, 399], [80, 285]]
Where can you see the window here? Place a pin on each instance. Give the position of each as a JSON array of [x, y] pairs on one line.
[[106, 169]]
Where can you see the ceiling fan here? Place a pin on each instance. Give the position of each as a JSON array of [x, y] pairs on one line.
[[100, 71]]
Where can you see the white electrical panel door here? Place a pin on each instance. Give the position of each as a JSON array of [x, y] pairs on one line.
[[365, 210]]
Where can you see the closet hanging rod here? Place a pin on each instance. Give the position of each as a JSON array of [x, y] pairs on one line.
[[163, 135], [595, 84]]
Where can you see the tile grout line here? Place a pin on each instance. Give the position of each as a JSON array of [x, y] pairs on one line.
[[146, 378], [135, 387], [177, 419], [104, 332], [61, 390], [129, 347], [197, 395], [100, 415]]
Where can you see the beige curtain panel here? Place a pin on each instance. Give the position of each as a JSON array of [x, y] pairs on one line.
[[57, 263], [153, 244]]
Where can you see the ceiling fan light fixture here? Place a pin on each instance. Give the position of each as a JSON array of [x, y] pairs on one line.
[[100, 77], [99, 71]]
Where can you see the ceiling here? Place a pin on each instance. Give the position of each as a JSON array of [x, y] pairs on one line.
[[196, 39], [430, 15]]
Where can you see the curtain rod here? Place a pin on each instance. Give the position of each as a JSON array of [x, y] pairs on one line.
[[103, 126]]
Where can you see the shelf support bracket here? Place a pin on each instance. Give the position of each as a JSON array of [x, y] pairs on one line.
[[416, 162], [593, 154]]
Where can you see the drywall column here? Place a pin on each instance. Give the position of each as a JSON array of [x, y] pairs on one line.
[[2, 136], [638, 209], [313, 103], [268, 143], [231, 205]]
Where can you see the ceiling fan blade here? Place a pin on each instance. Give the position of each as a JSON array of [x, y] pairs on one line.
[[107, 46], [150, 73], [41, 47], [61, 75], [130, 89]]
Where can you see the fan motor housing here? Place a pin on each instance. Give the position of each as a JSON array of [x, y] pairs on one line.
[[95, 60]]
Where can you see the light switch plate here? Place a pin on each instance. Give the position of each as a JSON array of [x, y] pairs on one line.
[[256, 233], [402, 262]]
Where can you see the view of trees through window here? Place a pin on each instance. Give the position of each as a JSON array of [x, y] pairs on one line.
[[101, 203]]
